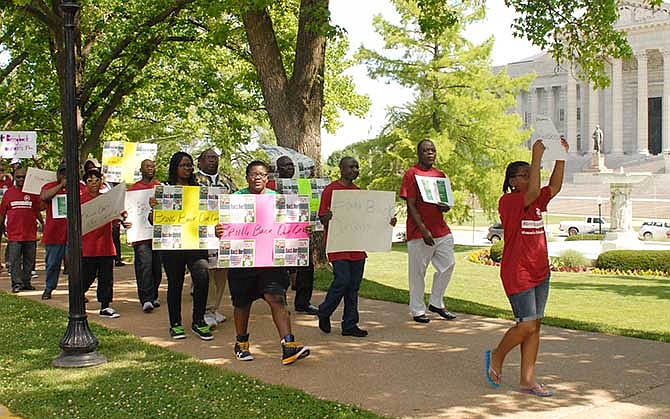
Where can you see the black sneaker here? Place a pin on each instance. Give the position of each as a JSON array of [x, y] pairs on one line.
[[324, 324], [310, 309], [242, 351], [28, 288], [16, 288], [46, 295], [202, 330], [177, 332], [109, 312], [355, 331], [447, 315], [293, 351], [421, 319], [156, 303]]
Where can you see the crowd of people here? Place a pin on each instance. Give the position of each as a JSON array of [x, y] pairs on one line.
[[524, 273]]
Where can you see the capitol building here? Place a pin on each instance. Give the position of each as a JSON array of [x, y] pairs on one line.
[[633, 112]]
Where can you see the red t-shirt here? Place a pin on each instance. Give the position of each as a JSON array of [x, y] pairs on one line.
[[20, 210], [430, 213], [98, 242], [140, 186], [525, 263], [326, 199], [55, 229], [6, 181]]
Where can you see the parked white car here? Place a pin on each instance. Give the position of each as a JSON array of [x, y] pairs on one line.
[[654, 229], [589, 225]]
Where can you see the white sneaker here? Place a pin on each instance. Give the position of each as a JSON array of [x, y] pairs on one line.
[[148, 307], [220, 318], [33, 274], [210, 319], [109, 313]]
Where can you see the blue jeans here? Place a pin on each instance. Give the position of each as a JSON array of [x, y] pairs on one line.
[[147, 271], [347, 277], [54, 256]]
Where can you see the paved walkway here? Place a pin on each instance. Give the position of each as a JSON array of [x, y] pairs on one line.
[[406, 369]]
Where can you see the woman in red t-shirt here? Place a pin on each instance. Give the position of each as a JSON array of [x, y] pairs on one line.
[[525, 265]]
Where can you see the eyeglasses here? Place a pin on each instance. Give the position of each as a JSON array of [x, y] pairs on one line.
[[258, 175], [92, 180]]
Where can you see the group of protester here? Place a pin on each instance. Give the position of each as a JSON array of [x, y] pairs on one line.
[[524, 271]]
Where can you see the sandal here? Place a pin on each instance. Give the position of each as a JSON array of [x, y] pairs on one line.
[[537, 390], [489, 371]]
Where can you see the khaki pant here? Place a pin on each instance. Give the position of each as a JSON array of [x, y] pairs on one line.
[[217, 285]]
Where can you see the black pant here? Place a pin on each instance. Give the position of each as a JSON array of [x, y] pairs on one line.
[[147, 271], [21, 260], [174, 264], [304, 285], [101, 267], [116, 238]]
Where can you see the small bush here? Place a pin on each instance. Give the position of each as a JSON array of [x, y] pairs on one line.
[[592, 236], [635, 260], [570, 258], [497, 251]]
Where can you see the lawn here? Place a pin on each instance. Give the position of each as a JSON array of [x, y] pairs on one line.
[[628, 306], [138, 381]]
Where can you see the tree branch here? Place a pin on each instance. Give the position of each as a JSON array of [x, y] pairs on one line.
[[16, 61]]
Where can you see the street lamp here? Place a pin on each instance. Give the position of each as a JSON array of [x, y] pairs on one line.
[[78, 343], [600, 216]]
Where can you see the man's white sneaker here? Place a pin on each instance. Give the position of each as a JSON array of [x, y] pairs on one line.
[[210, 319], [220, 318]]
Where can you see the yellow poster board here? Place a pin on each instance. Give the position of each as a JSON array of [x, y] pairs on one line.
[[121, 160]]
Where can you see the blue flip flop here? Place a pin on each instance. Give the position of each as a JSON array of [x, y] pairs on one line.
[[488, 371]]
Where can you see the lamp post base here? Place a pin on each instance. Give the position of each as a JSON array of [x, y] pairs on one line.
[[78, 360]]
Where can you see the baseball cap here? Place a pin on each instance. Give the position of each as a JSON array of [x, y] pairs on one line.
[[61, 168], [94, 161], [15, 161]]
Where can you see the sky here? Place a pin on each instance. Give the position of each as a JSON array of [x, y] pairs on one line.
[[355, 16]]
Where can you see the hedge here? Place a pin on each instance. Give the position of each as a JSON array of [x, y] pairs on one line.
[[655, 260], [592, 236], [497, 251]]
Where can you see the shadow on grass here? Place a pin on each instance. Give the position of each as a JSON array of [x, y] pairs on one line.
[[659, 288], [376, 291]]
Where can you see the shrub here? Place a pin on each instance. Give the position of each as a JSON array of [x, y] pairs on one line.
[[497, 251], [593, 236], [571, 258], [635, 260]]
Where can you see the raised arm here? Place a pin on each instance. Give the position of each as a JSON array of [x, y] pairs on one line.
[[533, 190], [48, 194]]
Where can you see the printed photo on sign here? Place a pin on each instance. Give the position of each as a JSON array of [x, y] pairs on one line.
[[291, 252], [59, 206], [435, 190], [236, 253]]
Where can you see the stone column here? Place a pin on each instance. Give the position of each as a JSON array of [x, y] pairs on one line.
[[617, 106], [533, 105], [666, 101], [549, 97], [571, 112], [642, 97], [594, 114]]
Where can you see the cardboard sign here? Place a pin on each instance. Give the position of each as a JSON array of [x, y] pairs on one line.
[[553, 150], [137, 206], [18, 144], [361, 221], [435, 190], [313, 188], [103, 209], [263, 230], [121, 160], [36, 178]]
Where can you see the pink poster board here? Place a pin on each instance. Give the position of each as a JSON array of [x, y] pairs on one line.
[[276, 237]]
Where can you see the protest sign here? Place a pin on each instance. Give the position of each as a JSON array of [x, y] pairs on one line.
[[18, 144], [103, 208], [361, 221], [59, 206], [184, 217], [121, 160], [312, 188], [263, 230], [137, 206], [36, 178], [553, 150], [435, 190]]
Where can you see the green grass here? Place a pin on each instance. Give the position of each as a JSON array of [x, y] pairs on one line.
[[138, 381], [627, 306]]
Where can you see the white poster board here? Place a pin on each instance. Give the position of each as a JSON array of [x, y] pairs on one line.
[[361, 221], [59, 206], [103, 209], [553, 150], [36, 178], [435, 190], [137, 205], [18, 144]]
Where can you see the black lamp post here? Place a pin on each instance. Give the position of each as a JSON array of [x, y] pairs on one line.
[[78, 343], [600, 217]]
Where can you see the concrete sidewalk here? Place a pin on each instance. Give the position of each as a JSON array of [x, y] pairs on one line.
[[406, 369]]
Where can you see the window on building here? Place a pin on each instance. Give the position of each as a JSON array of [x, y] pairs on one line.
[[561, 114], [579, 114]]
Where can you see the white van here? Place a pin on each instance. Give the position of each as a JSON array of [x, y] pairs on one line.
[[654, 229]]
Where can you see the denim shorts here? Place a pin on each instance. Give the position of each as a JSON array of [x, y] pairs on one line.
[[529, 304]]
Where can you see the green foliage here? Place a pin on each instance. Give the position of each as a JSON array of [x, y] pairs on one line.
[[460, 104], [591, 236], [570, 258], [635, 260], [496, 251]]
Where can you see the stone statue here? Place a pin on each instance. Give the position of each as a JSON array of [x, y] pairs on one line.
[[597, 139]]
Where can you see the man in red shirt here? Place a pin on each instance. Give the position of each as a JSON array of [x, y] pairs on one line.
[[347, 266], [22, 212], [54, 237], [147, 261], [429, 239]]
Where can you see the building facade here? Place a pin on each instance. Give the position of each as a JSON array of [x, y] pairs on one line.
[[633, 112]]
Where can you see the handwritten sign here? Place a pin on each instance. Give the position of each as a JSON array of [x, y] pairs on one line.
[[121, 160], [313, 188], [36, 178], [137, 206], [435, 190], [361, 221], [18, 144], [553, 150], [183, 218], [263, 230], [103, 209]]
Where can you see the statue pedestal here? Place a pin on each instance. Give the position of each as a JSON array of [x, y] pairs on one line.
[[597, 164], [621, 240]]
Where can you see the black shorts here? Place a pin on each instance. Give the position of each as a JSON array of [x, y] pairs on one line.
[[249, 284]]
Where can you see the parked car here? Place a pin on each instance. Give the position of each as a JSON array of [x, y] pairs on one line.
[[495, 233], [589, 225], [654, 229]]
